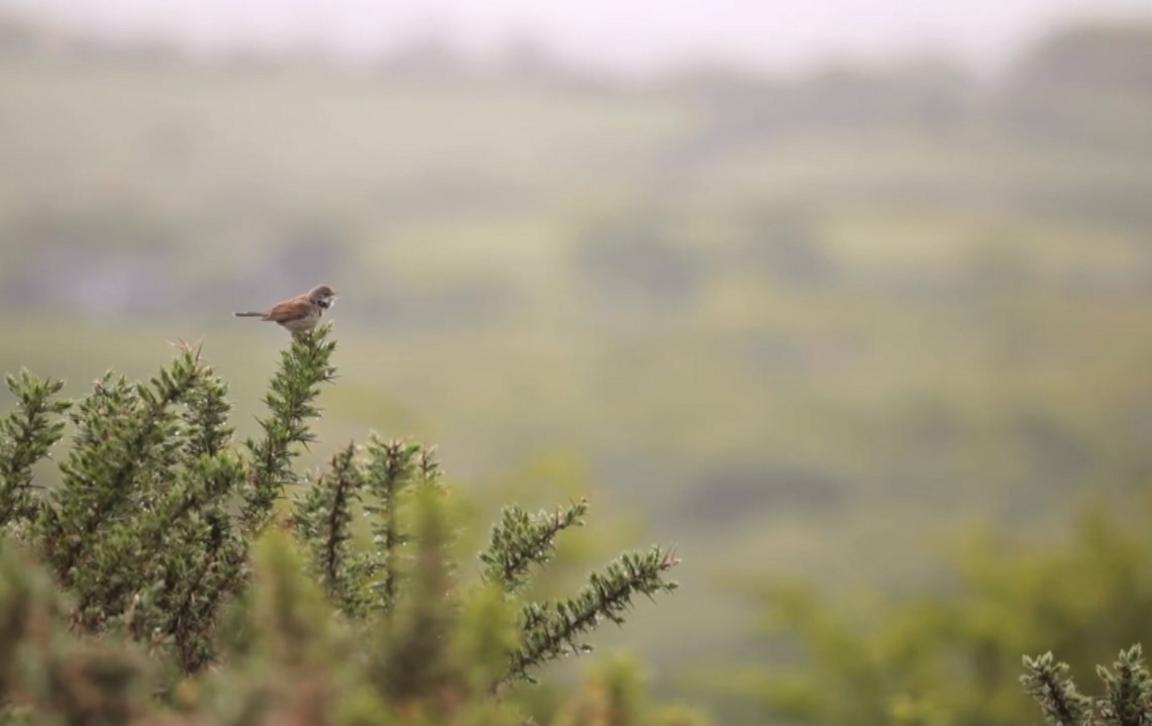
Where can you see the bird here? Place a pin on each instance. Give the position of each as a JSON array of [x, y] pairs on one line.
[[298, 314]]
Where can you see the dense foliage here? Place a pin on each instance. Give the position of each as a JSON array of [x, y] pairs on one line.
[[167, 548]]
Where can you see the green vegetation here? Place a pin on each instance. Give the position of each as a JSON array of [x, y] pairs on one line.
[[948, 657], [809, 330], [165, 551]]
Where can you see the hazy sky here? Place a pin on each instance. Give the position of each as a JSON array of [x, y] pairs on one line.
[[630, 35]]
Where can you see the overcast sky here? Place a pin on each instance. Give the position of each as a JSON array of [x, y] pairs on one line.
[[635, 36]]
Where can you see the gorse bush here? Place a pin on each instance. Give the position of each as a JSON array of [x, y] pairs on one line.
[[1127, 699], [175, 575]]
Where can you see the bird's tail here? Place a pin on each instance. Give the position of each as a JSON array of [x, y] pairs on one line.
[[250, 314]]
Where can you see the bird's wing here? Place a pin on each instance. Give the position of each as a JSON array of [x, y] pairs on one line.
[[289, 310]]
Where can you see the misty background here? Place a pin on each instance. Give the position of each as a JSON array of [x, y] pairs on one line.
[[639, 37], [803, 290]]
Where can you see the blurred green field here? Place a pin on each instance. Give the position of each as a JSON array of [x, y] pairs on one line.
[[817, 347]]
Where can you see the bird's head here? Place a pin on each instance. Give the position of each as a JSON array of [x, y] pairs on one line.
[[322, 295]]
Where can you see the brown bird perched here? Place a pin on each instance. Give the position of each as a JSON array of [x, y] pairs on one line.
[[299, 314]]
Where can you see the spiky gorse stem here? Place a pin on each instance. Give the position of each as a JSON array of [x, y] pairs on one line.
[[207, 417], [1047, 681], [324, 517], [1127, 699], [554, 629], [26, 436], [522, 540], [412, 663], [1128, 692], [391, 468], [291, 405]]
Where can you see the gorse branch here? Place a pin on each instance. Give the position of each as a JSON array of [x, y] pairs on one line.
[[552, 630], [1047, 681], [207, 417], [1128, 694], [390, 468], [26, 436], [415, 661], [521, 540], [324, 516], [290, 401], [206, 565]]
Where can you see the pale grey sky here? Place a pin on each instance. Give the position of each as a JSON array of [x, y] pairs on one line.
[[635, 36]]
